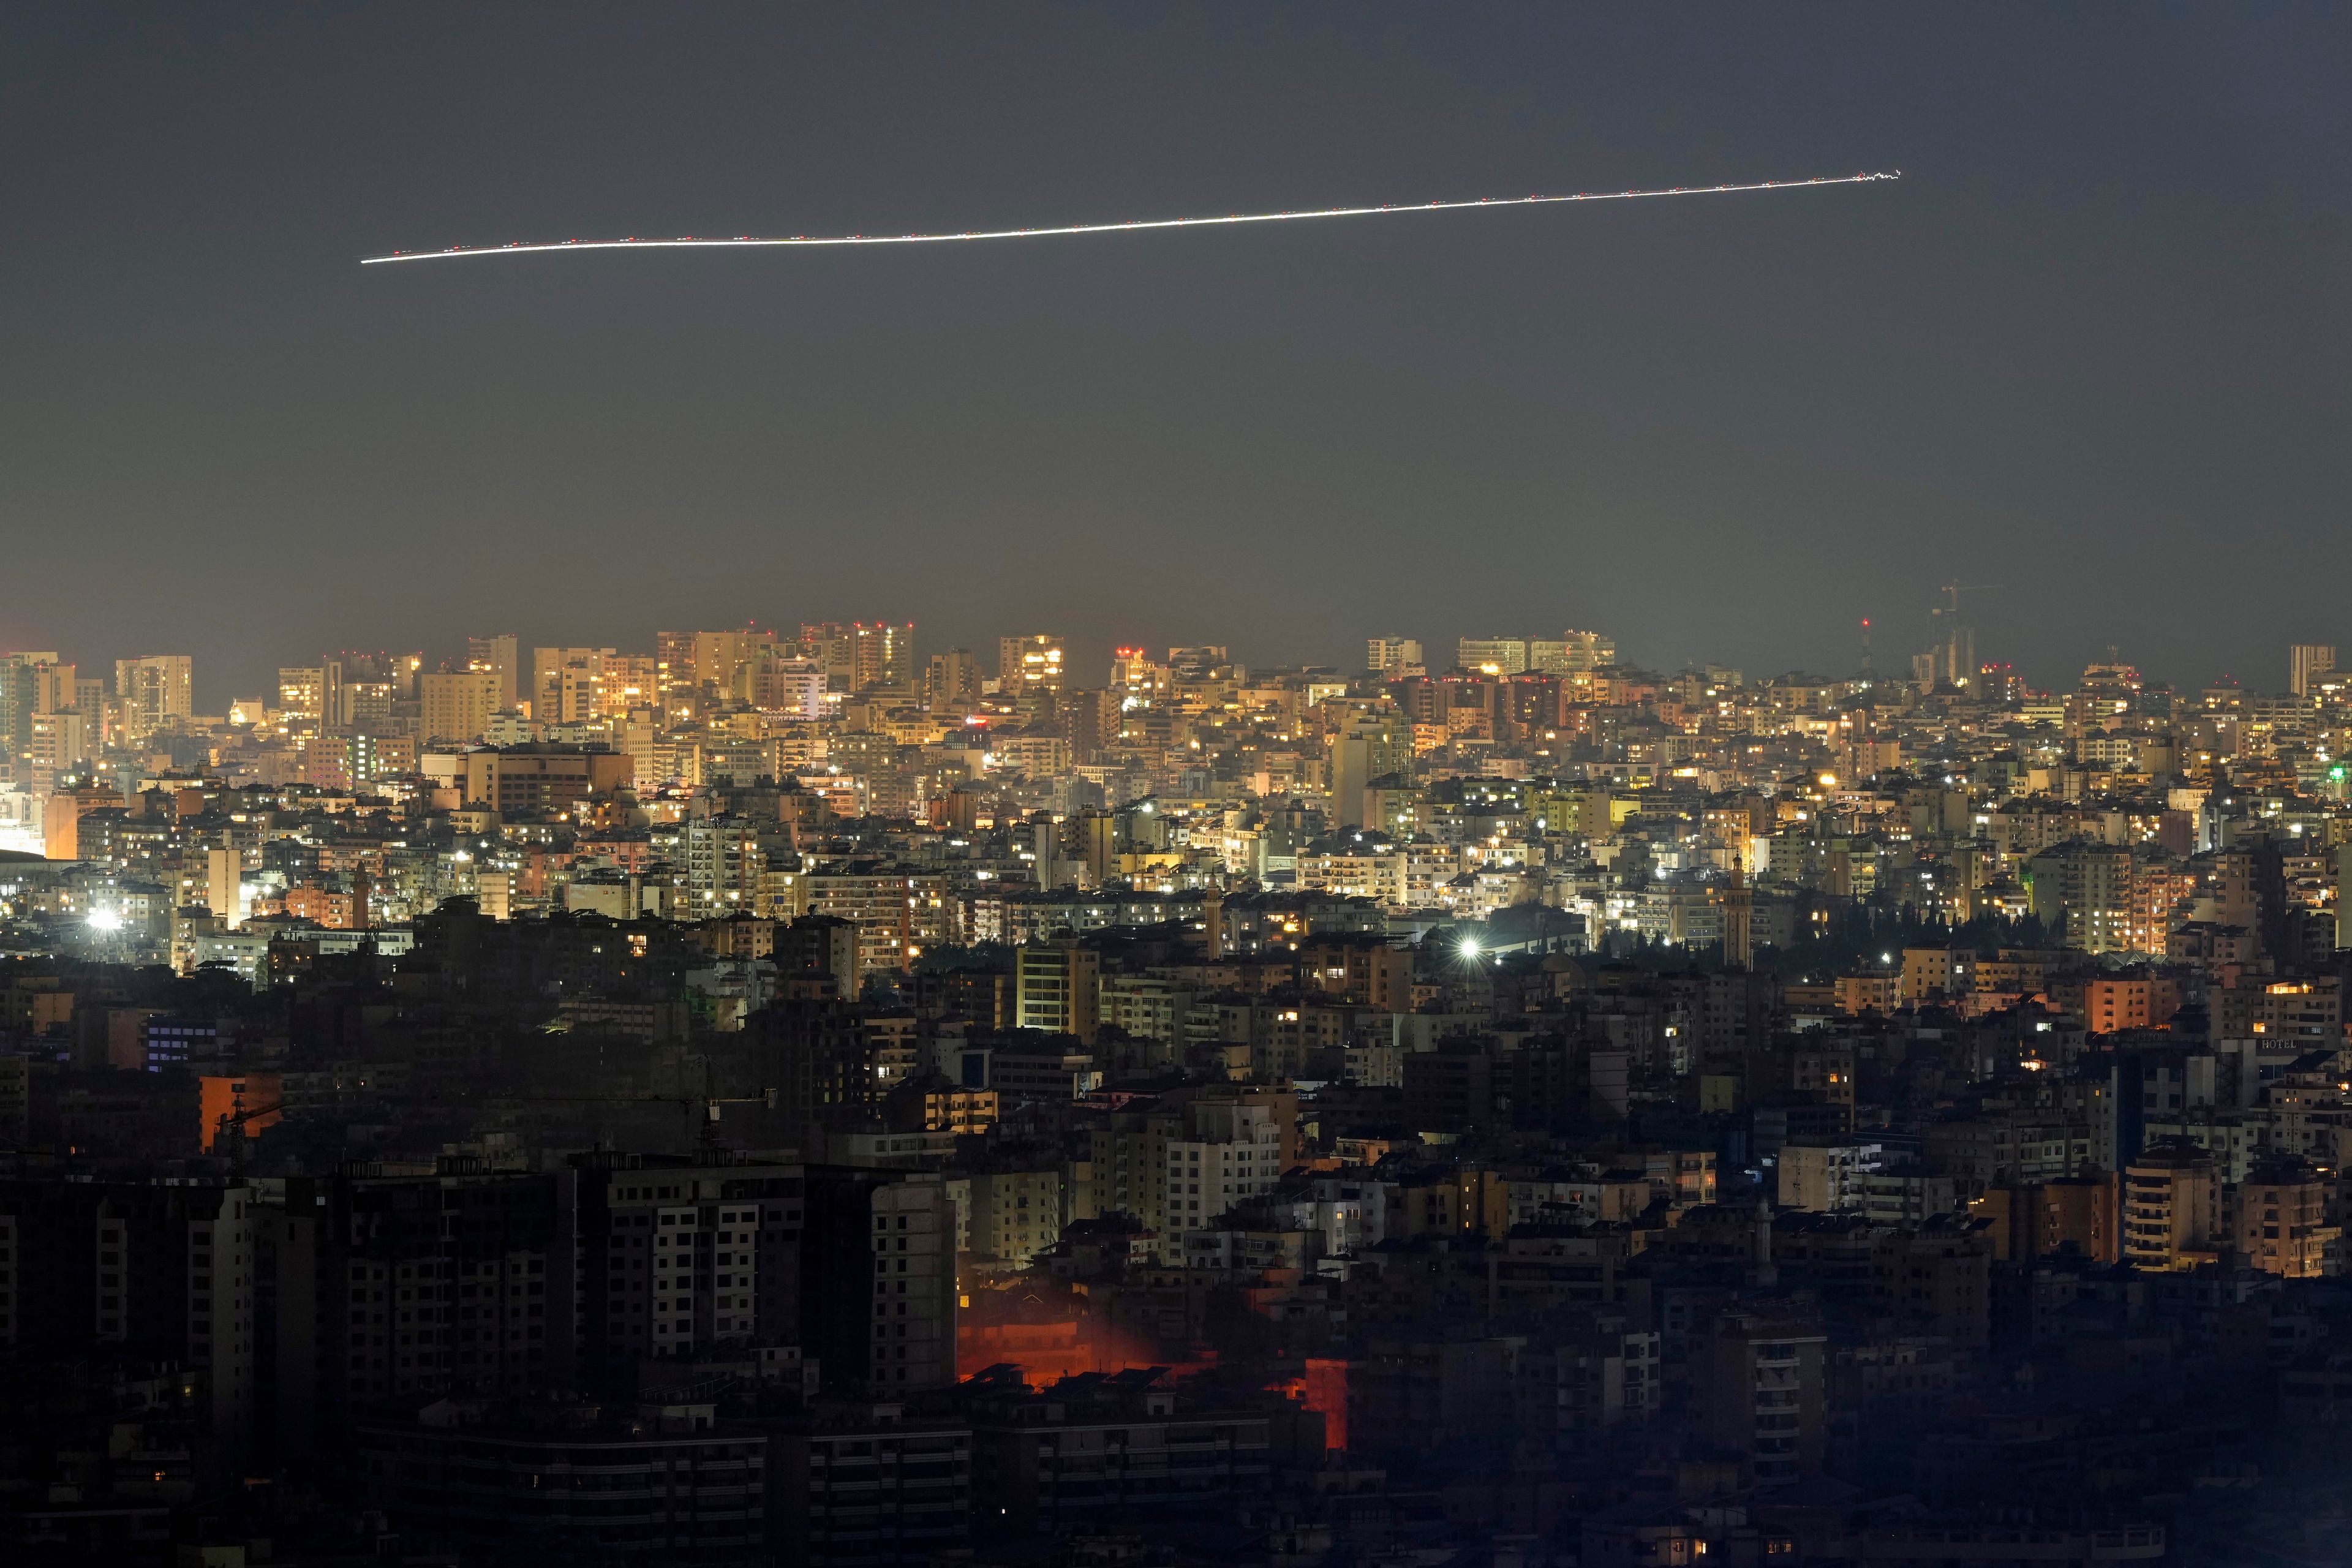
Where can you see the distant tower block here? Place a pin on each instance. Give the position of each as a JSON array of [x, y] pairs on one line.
[[2307, 664], [1739, 912]]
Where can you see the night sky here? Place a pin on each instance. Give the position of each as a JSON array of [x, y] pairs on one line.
[[2092, 349]]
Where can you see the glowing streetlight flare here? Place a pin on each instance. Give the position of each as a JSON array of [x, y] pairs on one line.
[[745, 241]]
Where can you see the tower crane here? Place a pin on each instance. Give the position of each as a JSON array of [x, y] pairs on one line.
[[1952, 592], [229, 1128]]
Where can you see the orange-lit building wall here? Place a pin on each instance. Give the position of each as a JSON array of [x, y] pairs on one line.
[[1326, 1395], [232, 1094]]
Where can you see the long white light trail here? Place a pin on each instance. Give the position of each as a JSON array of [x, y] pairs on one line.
[[745, 241]]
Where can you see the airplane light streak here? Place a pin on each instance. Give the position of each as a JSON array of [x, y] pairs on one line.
[[745, 241]]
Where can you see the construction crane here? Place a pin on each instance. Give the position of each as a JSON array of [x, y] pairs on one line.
[[1955, 645], [229, 1128]]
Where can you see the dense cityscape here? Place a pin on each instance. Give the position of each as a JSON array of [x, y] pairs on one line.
[[791, 1096], [1605, 820]]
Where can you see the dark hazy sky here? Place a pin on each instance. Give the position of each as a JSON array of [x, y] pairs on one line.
[[2092, 349]]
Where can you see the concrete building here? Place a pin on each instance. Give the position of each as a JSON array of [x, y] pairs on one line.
[[2281, 1221], [501, 656], [1492, 656], [2171, 1208], [681, 1259], [1937, 973], [2306, 664], [520, 780], [1825, 1176], [157, 692], [893, 1277], [157, 1272], [856, 1483], [1059, 989], [1759, 1387], [1090, 1451], [658, 1483], [1016, 1214], [2044, 1218], [1031, 663], [458, 707], [724, 864], [1366, 746]]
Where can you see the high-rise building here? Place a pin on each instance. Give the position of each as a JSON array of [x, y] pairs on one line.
[[457, 705], [611, 1491], [157, 693], [1825, 1174], [365, 684], [1367, 746], [676, 1258], [879, 1297], [1570, 653], [884, 904], [862, 654], [857, 1483], [452, 1284], [1760, 1388], [673, 663], [2306, 663], [1136, 675], [1090, 720], [20, 699], [1492, 656], [500, 655], [2171, 1206], [225, 885], [540, 778], [567, 684], [57, 688], [1587, 651], [1031, 663], [2118, 897], [160, 1272], [881, 653], [834, 647], [1203, 661], [2041, 1219], [631, 681], [2343, 896], [794, 687], [1393, 656], [952, 680], [1179, 1166], [302, 692], [719, 655], [59, 742], [1951, 657], [723, 865], [1057, 988], [2282, 1220]]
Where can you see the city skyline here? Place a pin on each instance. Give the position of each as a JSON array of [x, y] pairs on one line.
[[1875, 655], [2093, 330], [1617, 882]]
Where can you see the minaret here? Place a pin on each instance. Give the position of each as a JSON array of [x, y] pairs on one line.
[[1738, 907], [1213, 910]]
